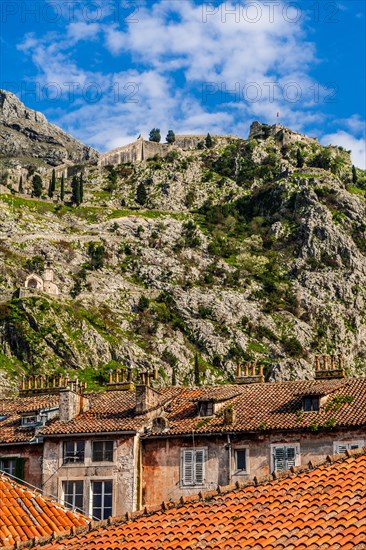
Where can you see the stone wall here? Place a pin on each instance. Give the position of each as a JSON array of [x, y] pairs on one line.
[[123, 471], [142, 150]]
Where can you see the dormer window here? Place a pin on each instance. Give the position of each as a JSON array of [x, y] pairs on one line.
[[206, 408], [311, 403], [29, 420]]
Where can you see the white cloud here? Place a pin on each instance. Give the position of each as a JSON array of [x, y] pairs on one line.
[[174, 53], [349, 142]]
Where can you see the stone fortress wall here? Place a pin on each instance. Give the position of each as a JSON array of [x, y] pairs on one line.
[[142, 150]]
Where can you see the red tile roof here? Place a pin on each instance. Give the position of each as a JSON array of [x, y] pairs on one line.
[[307, 509], [26, 514], [275, 406], [11, 411], [258, 407]]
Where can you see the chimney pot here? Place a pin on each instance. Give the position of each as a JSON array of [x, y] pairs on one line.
[[246, 368], [254, 368], [325, 362], [238, 369]]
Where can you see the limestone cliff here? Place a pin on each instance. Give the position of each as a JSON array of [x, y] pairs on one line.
[[27, 138], [246, 249]]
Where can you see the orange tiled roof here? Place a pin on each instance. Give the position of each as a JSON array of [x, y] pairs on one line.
[[258, 407], [275, 406], [26, 514], [11, 410], [315, 509]]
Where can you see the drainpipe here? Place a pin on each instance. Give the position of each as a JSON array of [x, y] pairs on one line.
[[229, 448]]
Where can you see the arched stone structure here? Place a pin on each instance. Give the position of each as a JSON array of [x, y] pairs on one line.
[[34, 282]]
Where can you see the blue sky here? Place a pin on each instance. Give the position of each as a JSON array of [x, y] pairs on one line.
[[108, 70]]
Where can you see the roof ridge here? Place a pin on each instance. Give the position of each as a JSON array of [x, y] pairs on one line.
[[200, 497]]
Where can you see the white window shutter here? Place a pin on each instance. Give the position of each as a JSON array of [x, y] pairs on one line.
[[341, 448], [279, 458], [291, 457], [200, 467], [188, 467]]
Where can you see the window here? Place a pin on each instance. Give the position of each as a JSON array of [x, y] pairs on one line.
[[240, 460], [102, 451], [343, 446], [73, 494], [14, 466], [206, 408], [284, 457], [311, 403], [102, 499], [193, 467], [29, 420], [73, 451], [8, 465]]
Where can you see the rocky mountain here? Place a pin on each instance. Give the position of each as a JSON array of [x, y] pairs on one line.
[[209, 254], [27, 139]]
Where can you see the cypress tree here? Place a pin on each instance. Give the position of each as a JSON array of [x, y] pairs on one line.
[[52, 185], [81, 183], [75, 191], [37, 186], [354, 174], [62, 190], [208, 141], [20, 189], [196, 370]]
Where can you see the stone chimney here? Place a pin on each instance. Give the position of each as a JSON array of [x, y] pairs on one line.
[[72, 402], [329, 366], [146, 397], [249, 373], [39, 384], [119, 381]]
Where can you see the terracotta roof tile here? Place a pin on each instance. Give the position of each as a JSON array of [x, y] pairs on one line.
[[258, 407], [226, 521], [21, 520]]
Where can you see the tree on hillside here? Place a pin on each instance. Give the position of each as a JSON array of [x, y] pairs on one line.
[[20, 188], [299, 159], [141, 194], [81, 184], [37, 186], [52, 185], [208, 141], [155, 135], [62, 190], [97, 254], [75, 191], [170, 138], [354, 174], [196, 370]]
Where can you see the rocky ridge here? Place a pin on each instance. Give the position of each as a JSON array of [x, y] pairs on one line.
[[28, 139]]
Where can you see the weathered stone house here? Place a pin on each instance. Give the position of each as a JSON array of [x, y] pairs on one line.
[[21, 448], [217, 436]]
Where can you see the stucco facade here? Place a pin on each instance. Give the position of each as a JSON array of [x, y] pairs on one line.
[[162, 458]]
